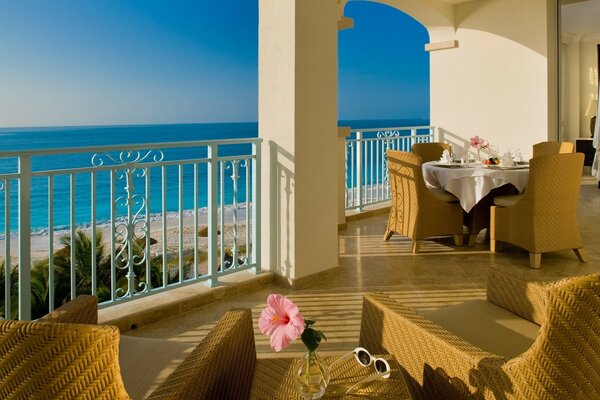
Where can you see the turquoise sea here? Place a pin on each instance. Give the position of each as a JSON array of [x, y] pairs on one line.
[[12, 139]]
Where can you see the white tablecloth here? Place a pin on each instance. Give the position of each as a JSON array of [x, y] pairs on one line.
[[472, 183]]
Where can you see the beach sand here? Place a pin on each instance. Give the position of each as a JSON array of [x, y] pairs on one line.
[[40, 245]]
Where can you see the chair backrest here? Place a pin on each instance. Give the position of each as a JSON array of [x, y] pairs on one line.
[[550, 148], [224, 360], [554, 183], [430, 151], [54, 360], [407, 185], [405, 172], [82, 310], [565, 357]]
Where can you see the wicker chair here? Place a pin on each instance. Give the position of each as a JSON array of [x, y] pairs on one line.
[[484, 350], [550, 148], [430, 151], [418, 212], [86, 361], [544, 218]]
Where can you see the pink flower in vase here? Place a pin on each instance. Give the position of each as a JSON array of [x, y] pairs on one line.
[[282, 321], [478, 143]]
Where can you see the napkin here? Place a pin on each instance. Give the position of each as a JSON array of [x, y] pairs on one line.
[[507, 160], [446, 158], [516, 155]]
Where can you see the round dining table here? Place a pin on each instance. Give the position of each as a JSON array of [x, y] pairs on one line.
[[475, 186]]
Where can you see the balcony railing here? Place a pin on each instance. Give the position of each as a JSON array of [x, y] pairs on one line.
[[125, 221], [366, 162]]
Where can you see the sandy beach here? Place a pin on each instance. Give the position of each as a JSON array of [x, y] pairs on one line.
[[40, 245]]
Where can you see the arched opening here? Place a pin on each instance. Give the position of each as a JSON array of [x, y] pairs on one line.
[[384, 96], [489, 75]]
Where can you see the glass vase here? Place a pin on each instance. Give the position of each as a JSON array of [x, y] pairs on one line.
[[313, 376]]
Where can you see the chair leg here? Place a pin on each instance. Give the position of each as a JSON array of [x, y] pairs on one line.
[[496, 246], [416, 244], [472, 240], [458, 240], [580, 255], [535, 260], [388, 234]]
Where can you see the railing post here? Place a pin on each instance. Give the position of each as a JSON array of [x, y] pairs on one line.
[[359, 170], [7, 263], [342, 162], [24, 238], [256, 162], [413, 139], [212, 167]]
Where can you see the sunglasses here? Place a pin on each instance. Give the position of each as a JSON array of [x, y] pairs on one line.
[[365, 359]]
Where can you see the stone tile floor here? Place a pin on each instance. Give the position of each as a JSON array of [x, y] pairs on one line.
[[439, 276]]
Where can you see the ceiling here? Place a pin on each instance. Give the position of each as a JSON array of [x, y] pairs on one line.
[[581, 17]]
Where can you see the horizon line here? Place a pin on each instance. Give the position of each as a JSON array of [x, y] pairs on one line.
[[185, 123]]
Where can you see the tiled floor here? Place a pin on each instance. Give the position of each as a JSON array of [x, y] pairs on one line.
[[440, 275]]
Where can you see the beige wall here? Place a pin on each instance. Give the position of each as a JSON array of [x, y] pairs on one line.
[[298, 122], [500, 81]]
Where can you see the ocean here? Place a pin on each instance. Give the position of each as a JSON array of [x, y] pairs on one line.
[[12, 139]]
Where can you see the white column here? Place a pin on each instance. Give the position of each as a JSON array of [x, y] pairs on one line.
[[24, 238], [298, 122]]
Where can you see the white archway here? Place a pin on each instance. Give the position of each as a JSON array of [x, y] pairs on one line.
[[497, 82], [436, 16]]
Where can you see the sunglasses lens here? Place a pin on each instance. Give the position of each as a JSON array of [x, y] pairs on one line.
[[380, 366], [363, 357]]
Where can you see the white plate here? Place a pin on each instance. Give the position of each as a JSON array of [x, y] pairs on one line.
[[511, 167]]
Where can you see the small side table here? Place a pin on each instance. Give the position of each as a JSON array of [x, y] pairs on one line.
[[275, 379]]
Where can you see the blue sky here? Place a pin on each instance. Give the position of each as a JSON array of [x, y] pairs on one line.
[[101, 62]]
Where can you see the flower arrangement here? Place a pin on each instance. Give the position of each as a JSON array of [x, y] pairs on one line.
[[282, 322], [479, 143]]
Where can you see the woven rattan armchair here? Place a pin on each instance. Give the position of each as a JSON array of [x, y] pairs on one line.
[[484, 350], [55, 360], [418, 212], [550, 148], [430, 151], [544, 218]]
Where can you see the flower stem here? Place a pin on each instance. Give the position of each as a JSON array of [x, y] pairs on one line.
[[307, 376]]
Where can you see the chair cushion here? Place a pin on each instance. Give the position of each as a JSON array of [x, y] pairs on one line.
[[441, 194], [487, 326], [146, 363], [507, 201]]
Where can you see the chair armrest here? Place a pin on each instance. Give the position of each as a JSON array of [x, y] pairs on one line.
[[220, 367], [46, 360], [520, 295], [82, 310], [436, 361]]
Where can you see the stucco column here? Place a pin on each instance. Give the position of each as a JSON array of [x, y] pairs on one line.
[[298, 124]]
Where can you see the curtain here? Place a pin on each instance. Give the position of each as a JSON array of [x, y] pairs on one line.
[[596, 142]]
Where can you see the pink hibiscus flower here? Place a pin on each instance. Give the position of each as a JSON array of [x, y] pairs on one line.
[[478, 142], [282, 321]]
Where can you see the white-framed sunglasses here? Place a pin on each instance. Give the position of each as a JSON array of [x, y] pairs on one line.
[[365, 359]]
